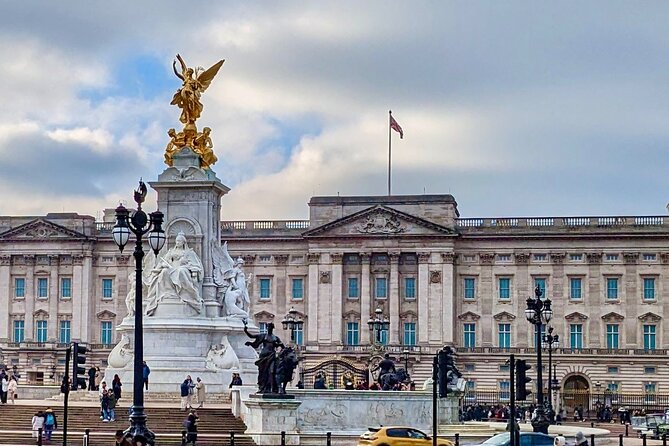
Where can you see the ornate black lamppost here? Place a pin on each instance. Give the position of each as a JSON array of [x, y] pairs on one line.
[[139, 224], [377, 324], [551, 343], [538, 313], [292, 322]]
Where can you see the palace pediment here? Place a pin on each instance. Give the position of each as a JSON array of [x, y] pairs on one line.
[[469, 316], [379, 221], [613, 316], [650, 317], [576, 317], [504, 316], [40, 230]]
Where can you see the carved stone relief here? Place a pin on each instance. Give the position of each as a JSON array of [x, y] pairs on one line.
[[487, 258], [380, 222], [435, 276], [325, 276]]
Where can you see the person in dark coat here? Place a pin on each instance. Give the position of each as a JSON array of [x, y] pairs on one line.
[[191, 428], [116, 387], [146, 371], [91, 378]]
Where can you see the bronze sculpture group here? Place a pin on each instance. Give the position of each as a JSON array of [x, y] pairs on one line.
[[275, 370]]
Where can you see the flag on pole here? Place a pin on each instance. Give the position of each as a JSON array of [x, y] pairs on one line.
[[395, 126]]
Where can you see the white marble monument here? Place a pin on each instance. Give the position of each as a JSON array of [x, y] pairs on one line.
[[195, 296]]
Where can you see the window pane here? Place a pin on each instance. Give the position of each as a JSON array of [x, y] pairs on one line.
[[612, 336], [353, 287], [19, 334], [381, 291], [504, 288], [106, 333], [409, 333], [299, 335], [649, 337], [470, 335], [64, 337], [504, 335], [262, 327], [65, 287], [541, 283], [576, 336], [649, 288], [470, 291], [575, 288], [107, 288], [19, 287], [265, 285], [298, 289], [410, 288], [41, 331], [42, 287], [612, 288], [352, 333]]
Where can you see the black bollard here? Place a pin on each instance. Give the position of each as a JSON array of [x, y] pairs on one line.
[[183, 438], [328, 439], [457, 439], [87, 437], [592, 439], [592, 424], [627, 434], [232, 438], [664, 439], [39, 437], [283, 438], [620, 439], [643, 439]]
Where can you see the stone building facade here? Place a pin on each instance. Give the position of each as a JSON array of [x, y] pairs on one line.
[[438, 278]]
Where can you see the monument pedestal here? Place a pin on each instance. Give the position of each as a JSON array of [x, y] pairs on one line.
[[268, 417]]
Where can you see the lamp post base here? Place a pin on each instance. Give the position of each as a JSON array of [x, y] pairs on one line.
[[138, 425], [540, 423]]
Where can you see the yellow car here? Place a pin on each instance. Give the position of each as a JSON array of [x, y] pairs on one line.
[[398, 436]]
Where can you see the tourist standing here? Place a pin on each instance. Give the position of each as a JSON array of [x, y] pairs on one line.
[[236, 380], [116, 387], [91, 378], [187, 393], [4, 387], [38, 423], [98, 377], [13, 388], [200, 392], [145, 375], [191, 428], [50, 423], [104, 405], [112, 406]]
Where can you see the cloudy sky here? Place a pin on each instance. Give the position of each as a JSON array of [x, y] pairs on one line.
[[516, 108]]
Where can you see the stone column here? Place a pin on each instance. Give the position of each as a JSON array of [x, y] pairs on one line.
[[281, 276], [488, 299], [30, 298], [423, 297], [266, 418], [594, 300], [448, 297], [394, 298], [337, 300], [88, 302], [365, 298], [78, 295], [52, 324], [325, 303], [557, 295], [5, 278], [632, 300], [312, 299]]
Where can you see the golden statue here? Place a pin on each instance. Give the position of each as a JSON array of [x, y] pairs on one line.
[[200, 143], [195, 82], [203, 147]]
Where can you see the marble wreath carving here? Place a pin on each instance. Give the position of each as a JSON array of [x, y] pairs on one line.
[[177, 275], [232, 283]]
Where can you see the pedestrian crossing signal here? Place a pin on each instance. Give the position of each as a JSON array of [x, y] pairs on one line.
[[522, 379]]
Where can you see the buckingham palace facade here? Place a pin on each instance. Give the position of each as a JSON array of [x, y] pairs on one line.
[[439, 279]]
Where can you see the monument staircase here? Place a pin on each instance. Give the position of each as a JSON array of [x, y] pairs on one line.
[[214, 425]]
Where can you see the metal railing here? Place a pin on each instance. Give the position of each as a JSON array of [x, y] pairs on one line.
[[561, 222]]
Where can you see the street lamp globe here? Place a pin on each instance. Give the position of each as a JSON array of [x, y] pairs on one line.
[[529, 310], [547, 311], [157, 235], [121, 231]]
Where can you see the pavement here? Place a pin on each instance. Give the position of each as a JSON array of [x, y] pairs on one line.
[[122, 403]]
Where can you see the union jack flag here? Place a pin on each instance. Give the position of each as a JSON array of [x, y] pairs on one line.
[[395, 126]]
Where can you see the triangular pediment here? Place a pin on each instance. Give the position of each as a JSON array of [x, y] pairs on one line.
[[469, 316], [263, 316], [576, 316], [379, 221], [105, 314], [650, 317], [504, 316], [41, 229], [613, 316]]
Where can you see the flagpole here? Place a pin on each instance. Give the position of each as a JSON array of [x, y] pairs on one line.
[[390, 114]]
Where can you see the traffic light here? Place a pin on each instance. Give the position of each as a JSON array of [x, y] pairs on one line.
[[446, 366], [78, 370], [522, 380]]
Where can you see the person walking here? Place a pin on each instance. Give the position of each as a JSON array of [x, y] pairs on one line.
[[91, 378], [50, 423], [187, 393], [191, 428], [200, 392], [13, 388], [146, 371], [112, 406], [38, 423], [104, 405]]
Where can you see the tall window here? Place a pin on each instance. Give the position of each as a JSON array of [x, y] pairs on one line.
[[650, 389], [19, 330], [504, 389], [410, 287], [576, 335], [504, 288], [383, 336], [575, 289], [541, 283], [470, 335], [107, 288], [353, 292], [64, 335], [504, 335], [106, 332], [541, 335], [409, 333], [352, 333], [42, 287], [649, 288], [298, 335], [265, 288], [470, 288], [262, 327], [65, 288], [612, 336], [649, 337], [19, 287], [612, 288], [381, 287], [40, 331], [612, 387], [298, 289]]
